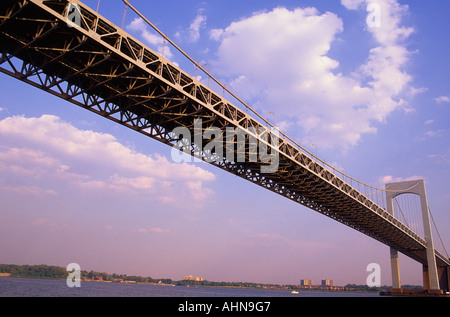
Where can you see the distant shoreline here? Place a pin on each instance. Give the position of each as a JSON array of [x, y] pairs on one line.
[[60, 273]]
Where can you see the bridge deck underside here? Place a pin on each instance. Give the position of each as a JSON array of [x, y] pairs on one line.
[[104, 70]]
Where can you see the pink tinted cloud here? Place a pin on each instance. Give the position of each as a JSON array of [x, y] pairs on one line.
[[57, 152]]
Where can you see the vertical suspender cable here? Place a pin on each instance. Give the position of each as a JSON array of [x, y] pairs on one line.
[[437, 231]]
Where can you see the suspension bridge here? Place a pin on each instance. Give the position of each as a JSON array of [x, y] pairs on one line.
[[69, 50]]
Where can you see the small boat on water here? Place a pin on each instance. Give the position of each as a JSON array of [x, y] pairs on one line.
[[294, 292]]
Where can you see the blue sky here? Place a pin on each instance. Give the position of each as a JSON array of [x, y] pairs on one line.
[[374, 102]]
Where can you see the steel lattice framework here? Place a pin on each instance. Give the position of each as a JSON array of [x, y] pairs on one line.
[[101, 68]]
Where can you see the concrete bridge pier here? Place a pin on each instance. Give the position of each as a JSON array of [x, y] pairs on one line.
[[443, 273]]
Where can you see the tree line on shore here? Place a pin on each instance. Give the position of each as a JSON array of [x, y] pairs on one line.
[[56, 272]]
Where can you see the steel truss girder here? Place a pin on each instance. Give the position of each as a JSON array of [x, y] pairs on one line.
[[99, 67]]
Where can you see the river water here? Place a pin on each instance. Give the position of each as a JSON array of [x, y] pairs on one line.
[[29, 287]]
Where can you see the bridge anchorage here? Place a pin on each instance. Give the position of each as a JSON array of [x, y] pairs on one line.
[[69, 50]]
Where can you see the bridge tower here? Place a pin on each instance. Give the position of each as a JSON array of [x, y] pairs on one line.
[[430, 271]]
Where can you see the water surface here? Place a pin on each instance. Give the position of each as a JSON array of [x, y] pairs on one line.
[[29, 287]]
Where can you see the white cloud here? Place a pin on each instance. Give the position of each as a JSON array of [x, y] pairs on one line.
[[197, 24], [154, 39], [390, 31], [27, 191], [391, 12], [352, 4], [278, 60], [55, 151], [151, 230], [415, 91], [442, 99], [391, 179], [215, 34], [435, 133], [192, 32], [28, 162]]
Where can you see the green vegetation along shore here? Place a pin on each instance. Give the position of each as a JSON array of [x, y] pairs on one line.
[[56, 272]]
